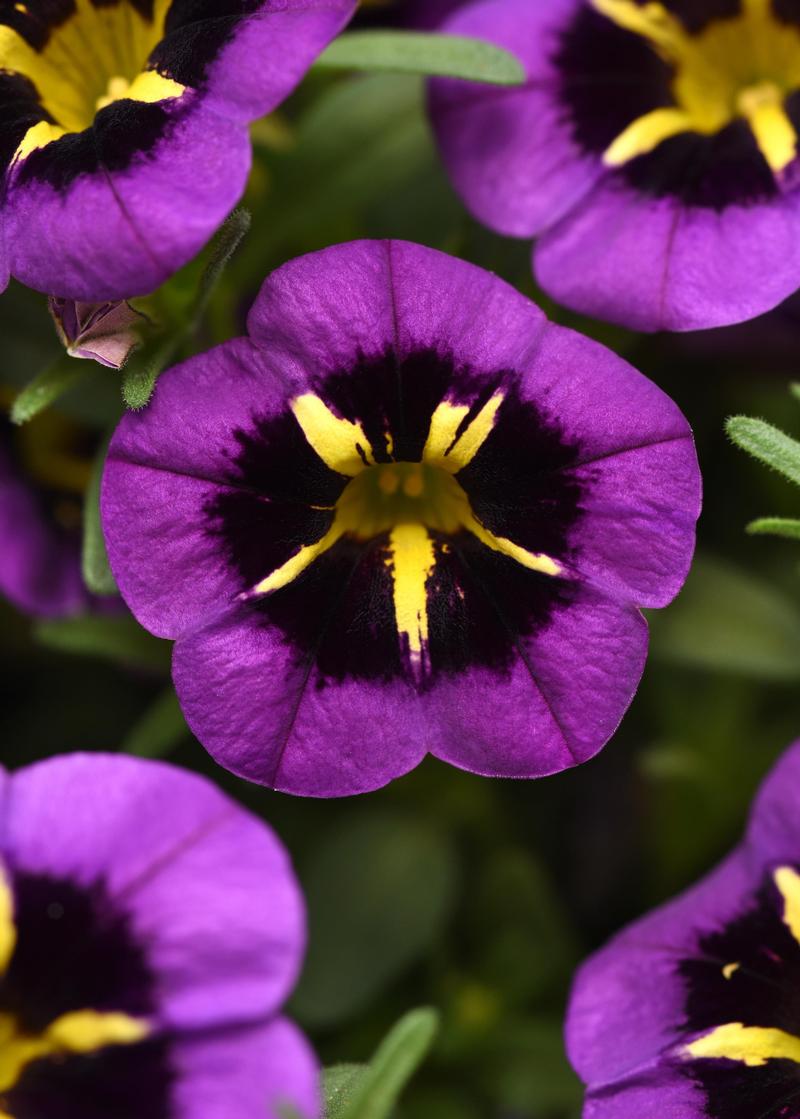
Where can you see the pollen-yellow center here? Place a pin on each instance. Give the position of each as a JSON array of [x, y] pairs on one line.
[[740, 68], [95, 57]]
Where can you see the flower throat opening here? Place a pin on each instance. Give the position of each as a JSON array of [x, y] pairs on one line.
[[94, 57], [740, 68]]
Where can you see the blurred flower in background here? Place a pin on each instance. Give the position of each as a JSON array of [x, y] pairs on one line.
[[407, 514], [653, 152], [693, 1009], [125, 126], [150, 930]]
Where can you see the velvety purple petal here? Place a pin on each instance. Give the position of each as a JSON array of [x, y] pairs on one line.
[[253, 1073], [773, 834], [628, 1000], [209, 889], [267, 716], [662, 1090], [270, 52], [509, 151], [155, 215], [39, 564], [559, 704], [656, 264], [315, 314]]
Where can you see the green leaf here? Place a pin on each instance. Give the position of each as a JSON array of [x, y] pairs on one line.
[[140, 375], [787, 527], [116, 639], [730, 620], [160, 730], [767, 444], [397, 1059], [97, 573], [416, 52], [794, 389], [378, 891], [339, 1082], [226, 241], [48, 386]]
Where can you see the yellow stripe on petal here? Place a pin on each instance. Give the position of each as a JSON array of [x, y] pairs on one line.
[[645, 134], [8, 930], [763, 108], [412, 560], [335, 440], [86, 1031], [788, 883], [38, 136], [651, 20], [295, 566], [752, 1045], [443, 448], [534, 561]]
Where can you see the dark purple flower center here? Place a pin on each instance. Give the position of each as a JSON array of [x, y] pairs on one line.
[[699, 101], [76, 996], [742, 1021], [406, 518]]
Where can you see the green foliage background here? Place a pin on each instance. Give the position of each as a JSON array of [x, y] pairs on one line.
[[473, 896]]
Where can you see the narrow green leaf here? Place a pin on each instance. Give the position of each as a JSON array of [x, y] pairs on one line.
[[97, 573], [226, 241], [48, 386], [396, 1060], [415, 52], [767, 444], [730, 620], [775, 526], [140, 374], [116, 639], [339, 1082], [160, 730]]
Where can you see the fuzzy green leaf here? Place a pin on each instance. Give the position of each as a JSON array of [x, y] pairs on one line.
[[433, 54], [339, 1082], [396, 1060], [768, 444], [116, 639], [48, 386], [787, 527], [97, 573]]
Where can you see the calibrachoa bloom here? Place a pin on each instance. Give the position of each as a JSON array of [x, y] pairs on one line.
[[150, 930], [653, 152], [405, 514], [693, 1010], [103, 332], [40, 569], [124, 139]]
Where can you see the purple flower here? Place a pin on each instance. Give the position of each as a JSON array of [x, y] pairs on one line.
[[653, 152], [40, 515], [150, 930], [693, 1010], [125, 129], [406, 514]]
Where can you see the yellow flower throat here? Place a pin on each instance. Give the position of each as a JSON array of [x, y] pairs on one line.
[[741, 68], [95, 57]]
